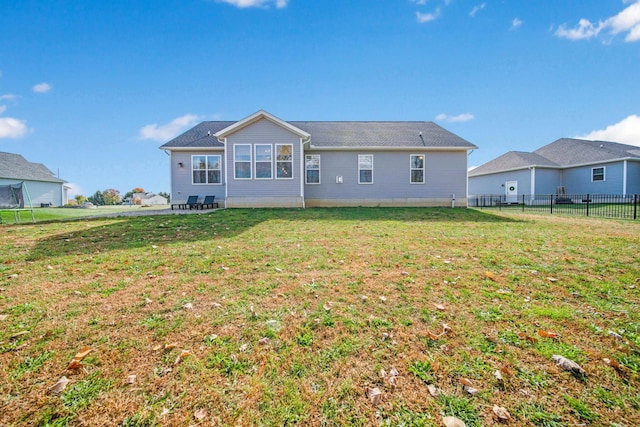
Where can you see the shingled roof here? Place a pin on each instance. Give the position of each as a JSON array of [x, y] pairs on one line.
[[340, 135], [14, 166], [562, 153]]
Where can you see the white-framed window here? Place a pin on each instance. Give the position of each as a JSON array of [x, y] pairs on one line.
[[312, 169], [597, 174], [206, 169], [365, 168], [416, 168], [263, 161], [284, 161], [242, 161]]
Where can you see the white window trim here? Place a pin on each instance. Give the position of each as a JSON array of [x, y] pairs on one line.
[[411, 168], [275, 159], [256, 161], [604, 174], [242, 161], [363, 155], [206, 170], [319, 169]]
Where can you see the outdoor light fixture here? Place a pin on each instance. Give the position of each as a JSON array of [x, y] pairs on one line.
[[179, 164]]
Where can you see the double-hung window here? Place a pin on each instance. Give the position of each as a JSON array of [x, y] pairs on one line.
[[284, 161], [312, 168], [242, 161], [416, 169], [206, 169], [365, 168], [597, 174], [264, 161]]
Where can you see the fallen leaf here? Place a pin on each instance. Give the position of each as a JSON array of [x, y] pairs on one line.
[[84, 351], [453, 422], [131, 379], [501, 413], [615, 335], [264, 341], [74, 365], [506, 371], [200, 414], [188, 306], [182, 355], [489, 275], [433, 390], [432, 335], [498, 375], [59, 386], [327, 306], [18, 335], [547, 334], [374, 395], [243, 347], [164, 412], [567, 364], [466, 381], [439, 306], [524, 336], [613, 363], [471, 390], [170, 346], [552, 279]]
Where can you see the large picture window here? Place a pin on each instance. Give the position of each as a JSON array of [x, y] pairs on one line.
[[264, 161], [365, 168], [416, 169], [206, 169], [597, 174], [242, 161], [284, 161], [312, 168]]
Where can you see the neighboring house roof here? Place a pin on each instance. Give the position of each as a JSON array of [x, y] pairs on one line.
[[14, 166], [512, 160], [336, 135], [562, 153]]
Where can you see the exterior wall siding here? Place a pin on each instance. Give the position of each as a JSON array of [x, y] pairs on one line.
[[633, 177], [39, 191], [547, 181], [182, 181], [264, 192], [445, 175], [578, 180], [494, 183]]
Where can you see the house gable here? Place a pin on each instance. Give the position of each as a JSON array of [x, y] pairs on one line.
[[255, 117]]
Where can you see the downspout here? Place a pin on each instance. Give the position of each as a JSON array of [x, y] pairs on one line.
[[533, 183], [303, 172], [226, 170], [624, 179]]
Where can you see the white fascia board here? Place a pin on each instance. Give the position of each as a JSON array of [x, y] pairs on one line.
[[254, 118], [194, 149], [519, 168], [374, 148]]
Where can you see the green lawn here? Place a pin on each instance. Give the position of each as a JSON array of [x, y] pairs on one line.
[[284, 316], [53, 214]]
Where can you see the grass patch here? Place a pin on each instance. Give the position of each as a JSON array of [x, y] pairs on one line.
[[286, 315]]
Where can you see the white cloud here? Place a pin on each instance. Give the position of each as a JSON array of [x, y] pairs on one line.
[[12, 128], [420, 2], [41, 88], [427, 17], [8, 97], [3, 108], [242, 4], [169, 130], [465, 117], [626, 131], [516, 23], [476, 9], [627, 21]]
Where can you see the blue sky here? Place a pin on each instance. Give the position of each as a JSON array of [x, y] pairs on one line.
[[93, 88]]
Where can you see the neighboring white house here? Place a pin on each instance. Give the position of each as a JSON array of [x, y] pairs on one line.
[[148, 199], [565, 166], [263, 161], [43, 186]]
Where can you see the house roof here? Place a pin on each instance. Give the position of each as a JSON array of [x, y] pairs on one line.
[[338, 134], [562, 153], [14, 166]]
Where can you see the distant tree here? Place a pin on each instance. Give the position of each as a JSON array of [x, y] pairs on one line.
[[129, 194], [165, 195], [80, 199], [97, 198], [111, 197]]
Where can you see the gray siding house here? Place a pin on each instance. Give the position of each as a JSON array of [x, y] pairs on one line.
[[572, 166], [263, 161], [42, 185]]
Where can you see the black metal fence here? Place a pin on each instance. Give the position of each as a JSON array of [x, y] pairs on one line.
[[598, 205]]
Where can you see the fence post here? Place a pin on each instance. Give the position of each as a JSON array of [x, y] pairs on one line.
[[523, 203], [635, 206], [551, 203], [588, 200]]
